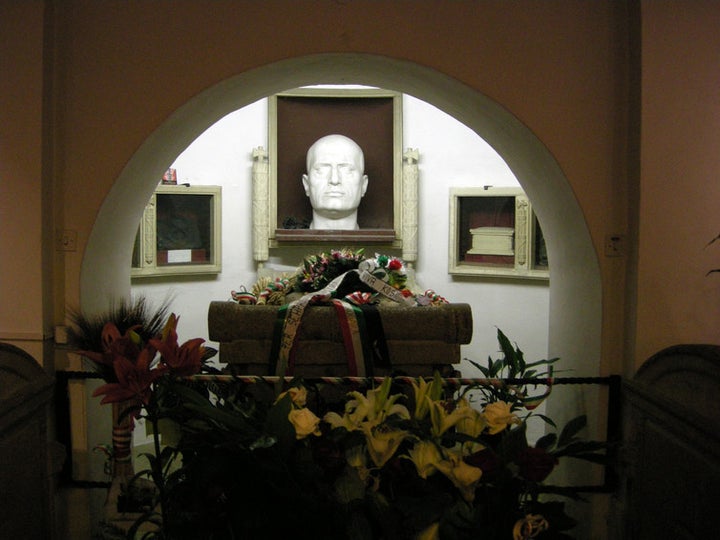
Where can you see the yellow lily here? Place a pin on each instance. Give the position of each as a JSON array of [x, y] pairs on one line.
[[442, 420], [355, 458], [431, 532], [382, 442], [425, 455], [472, 425], [465, 477], [298, 395], [499, 416], [337, 421], [374, 407], [423, 389]]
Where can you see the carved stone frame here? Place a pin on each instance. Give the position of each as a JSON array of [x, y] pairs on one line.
[[522, 260], [397, 189]]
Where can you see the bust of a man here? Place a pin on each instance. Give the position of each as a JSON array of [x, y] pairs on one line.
[[335, 182]]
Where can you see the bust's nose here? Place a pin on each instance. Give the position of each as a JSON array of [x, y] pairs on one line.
[[334, 176]]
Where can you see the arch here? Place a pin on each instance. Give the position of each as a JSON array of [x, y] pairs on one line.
[[575, 288]]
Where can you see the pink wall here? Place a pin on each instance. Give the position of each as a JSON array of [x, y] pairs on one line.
[[125, 70], [680, 176]]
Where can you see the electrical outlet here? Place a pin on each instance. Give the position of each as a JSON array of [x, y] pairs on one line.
[[615, 245], [61, 335], [67, 240]]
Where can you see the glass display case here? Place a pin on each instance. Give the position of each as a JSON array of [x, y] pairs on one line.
[[179, 232], [494, 232]]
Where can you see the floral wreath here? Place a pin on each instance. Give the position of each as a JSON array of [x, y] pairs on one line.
[[318, 270]]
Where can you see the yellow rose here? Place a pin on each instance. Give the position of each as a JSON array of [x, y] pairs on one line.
[[499, 416], [305, 422]]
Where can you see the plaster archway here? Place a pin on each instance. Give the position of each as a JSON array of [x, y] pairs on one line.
[[575, 289]]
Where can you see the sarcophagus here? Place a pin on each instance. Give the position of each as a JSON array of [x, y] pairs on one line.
[[418, 340]]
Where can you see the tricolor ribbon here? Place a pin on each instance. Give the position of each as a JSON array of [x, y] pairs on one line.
[[351, 322]]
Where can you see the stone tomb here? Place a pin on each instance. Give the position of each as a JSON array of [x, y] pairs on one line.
[[419, 339]]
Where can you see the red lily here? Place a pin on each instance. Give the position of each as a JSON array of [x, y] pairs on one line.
[[134, 379], [114, 344], [183, 360]]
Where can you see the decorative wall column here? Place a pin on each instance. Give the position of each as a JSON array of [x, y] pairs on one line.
[[260, 217], [410, 205]]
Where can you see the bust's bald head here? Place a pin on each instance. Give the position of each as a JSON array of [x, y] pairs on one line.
[[335, 182]]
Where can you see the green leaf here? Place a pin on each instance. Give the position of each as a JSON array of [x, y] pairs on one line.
[[571, 429], [484, 370], [264, 441], [506, 347], [600, 459], [151, 517], [582, 450], [512, 442], [436, 388], [564, 491], [547, 441], [278, 424], [497, 367], [151, 457], [140, 474], [547, 419], [196, 403], [170, 431], [542, 362]]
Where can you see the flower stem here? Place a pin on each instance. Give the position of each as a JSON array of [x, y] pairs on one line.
[[158, 473]]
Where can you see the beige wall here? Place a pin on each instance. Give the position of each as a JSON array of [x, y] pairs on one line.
[[21, 147], [559, 67]]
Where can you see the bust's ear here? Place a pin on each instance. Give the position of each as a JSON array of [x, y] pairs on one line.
[[364, 184], [306, 184]]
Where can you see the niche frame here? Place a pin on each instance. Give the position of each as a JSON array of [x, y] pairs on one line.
[[506, 239], [150, 260], [372, 117]]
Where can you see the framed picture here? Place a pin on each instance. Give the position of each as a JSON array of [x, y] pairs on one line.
[[373, 119], [494, 232], [179, 233]]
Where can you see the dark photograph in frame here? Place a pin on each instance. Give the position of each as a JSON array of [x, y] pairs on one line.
[[368, 120]]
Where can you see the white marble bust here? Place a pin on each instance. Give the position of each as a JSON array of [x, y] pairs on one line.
[[335, 182]]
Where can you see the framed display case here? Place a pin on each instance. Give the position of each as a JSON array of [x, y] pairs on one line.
[[179, 233], [494, 232], [296, 119]]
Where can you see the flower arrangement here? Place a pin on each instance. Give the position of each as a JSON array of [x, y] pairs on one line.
[[318, 271], [408, 458], [139, 369]]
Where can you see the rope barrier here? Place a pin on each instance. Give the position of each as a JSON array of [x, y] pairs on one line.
[[453, 381]]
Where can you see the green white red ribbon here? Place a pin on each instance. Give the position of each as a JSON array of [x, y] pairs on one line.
[[290, 317]]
